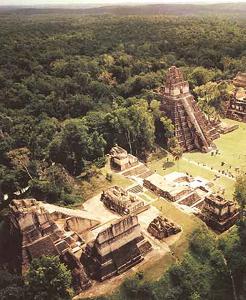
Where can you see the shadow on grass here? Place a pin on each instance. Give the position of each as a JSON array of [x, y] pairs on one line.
[[168, 164]]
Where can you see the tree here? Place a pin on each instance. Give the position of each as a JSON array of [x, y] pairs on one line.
[[240, 191], [11, 286], [213, 97], [132, 127], [75, 145], [200, 76], [136, 289], [48, 278], [20, 158], [233, 246], [175, 149]]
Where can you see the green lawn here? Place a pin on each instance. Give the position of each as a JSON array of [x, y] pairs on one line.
[[188, 224], [144, 197], [186, 221], [96, 184], [232, 149]]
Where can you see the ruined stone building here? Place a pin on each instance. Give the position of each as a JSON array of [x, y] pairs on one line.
[[116, 249], [192, 129], [34, 233], [122, 201], [237, 105], [120, 159], [162, 228], [167, 189], [218, 213], [180, 188], [240, 80]]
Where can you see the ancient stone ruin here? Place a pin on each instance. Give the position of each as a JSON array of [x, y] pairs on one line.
[[192, 129], [34, 233], [240, 80], [180, 188], [162, 228], [116, 249], [237, 106], [120, 159], [166, 189], [122, 202], [218, 213]]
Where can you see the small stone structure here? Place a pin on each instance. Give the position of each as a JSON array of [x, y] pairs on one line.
[[240, 80], [218, 213], [192, 129], [166, 189], [179, 187], [227, 128], [34, 234], [120, 159], [162, 228], [122, 201], [237, 106], [116, 249]]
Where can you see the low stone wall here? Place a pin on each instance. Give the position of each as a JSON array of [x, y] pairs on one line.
[[79, 225]]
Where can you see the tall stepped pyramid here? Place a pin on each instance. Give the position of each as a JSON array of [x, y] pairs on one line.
[[192, 129]]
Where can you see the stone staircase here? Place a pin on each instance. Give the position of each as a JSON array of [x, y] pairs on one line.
[[136, 189], [139, 171]]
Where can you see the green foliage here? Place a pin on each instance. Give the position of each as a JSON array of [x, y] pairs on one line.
[[202, 274], [109, 177], [240, 191], [48, 278], [174, 148], [213, 97], [233, 246], [11, 286], [74, 145], [200, 76], [72, 88]]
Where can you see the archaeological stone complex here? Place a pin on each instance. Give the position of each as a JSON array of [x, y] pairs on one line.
[[122, 201], [115, 249], [218, 213], [120, 159], [179, 187], [166, 189], [36, 229], [34, 234], [162, 228], [192, 129], [237, 105]]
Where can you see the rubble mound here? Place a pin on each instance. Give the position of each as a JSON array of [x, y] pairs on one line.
[[162, 228]]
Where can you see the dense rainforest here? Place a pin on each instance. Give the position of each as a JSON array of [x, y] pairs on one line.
[[71, 87]]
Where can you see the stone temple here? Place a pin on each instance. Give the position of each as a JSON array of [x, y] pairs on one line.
[[192, 129], [122, 201], [120, 159], [218, 213], [116, 249], [33, 233], [237, 106]]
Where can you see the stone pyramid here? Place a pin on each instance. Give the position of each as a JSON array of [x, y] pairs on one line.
[[193, 130]]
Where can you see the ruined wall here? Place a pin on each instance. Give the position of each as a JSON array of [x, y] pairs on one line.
[[80, 225]]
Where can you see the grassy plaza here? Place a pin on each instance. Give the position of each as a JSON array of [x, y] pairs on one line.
[[231, 159]]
